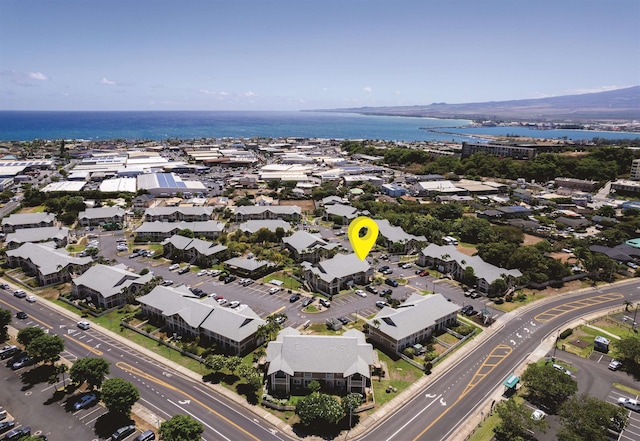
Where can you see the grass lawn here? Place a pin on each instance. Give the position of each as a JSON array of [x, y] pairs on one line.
[[288, 282], [401, 376]]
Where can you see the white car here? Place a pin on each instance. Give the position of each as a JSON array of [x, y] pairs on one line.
[[202, 273], [174, 267], [629, 403], [31, 299], [538, 415], [561, 369], [274, 290], [84, 325], [406, 266], [234, 304], [361, 293], [221, 301], [214, 273]]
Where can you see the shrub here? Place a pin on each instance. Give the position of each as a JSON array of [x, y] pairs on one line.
[[508, 298], [409, 352], [566, 333]]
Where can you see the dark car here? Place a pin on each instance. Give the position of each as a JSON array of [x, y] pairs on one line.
[[85, 401], [229, 279], [465, 309], [21, 315], [294, 298], [344, 320], [16, 434], [147, 435], [307, 301], [383, 268], [371, 289], [196, 291], [123, 432], [183, 270], [8, 351], [22, 361], [391, 282], [6, 425], [385, 292]]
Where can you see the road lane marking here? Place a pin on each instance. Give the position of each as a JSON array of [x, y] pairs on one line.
[[550, 314], [277, 310], [140, 373], [414, 417], [95, 351], [203, 422], [32, 318]]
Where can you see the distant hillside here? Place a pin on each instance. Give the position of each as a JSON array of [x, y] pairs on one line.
[[614, 105]]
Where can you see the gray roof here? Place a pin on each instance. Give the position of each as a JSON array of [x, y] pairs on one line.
[[293, 352], [396, 234], [28, 218], [342, 210], [166, 227], [301, 240], [46, 257], [109, 280], [415, 314], [271, 224], [169, 211], [247, 264], [282, 210], [101, 212], [204, 247], [481, 269], [329, 200], [37, 234], [338, 267], [236, 324]]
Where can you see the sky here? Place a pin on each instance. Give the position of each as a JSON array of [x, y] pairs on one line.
[[309, 54]]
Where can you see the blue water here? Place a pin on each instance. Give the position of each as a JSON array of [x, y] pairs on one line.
[[26, 126]]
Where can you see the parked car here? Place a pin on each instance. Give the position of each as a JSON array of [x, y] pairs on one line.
[[23, 361], [538, 415], [3, 413], [202, 273], [307, 301], [344, 320], [466, 308], [167, 282], [16, 434], [371, 289], [21, 315], [4, 285], [386, 291], [381, 304], [123, 432], [280, 319], [234, 304], [406, 266], [221, 301], [196, 291], [383, 268], [6, 425], [391, 282], [294, 298], [247, 282], [214, 273], [629, 403], [8, 351], [147, 435], [184, 269], [325, 303], [387, 272], [615, 365], [361, 293], [84, 325], [229, 279], [174, 267], [475, 295], [561, 369], [85, 401], [274, 290]]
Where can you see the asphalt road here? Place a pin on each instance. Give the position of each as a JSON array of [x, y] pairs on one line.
[[163, 391], [437, 410]]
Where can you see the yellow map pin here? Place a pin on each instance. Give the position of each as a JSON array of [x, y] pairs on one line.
[[362, 245]]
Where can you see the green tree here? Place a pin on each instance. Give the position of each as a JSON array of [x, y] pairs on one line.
[[515, 421], [215, 362], [119, 395], [233, 362], [319, 408], [186, 232], [89, 370], [5, 320], [46, 348], [314, 386], [587, 418], [628, 352], [473, 230], [181, 428], [548, 386], [26, 335], [350, 402]]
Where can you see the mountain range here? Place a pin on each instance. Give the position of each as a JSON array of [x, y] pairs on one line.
[[609, 106]]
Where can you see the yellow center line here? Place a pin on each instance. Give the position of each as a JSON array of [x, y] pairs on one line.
[[278, 310], [135, 371], [98, 352]]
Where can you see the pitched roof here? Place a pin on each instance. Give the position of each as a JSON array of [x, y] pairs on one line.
[[28, 218], [481, 269], [166, 227], [46, 257], [109, 280], [396, 234], [169, 211], [342, 210], [37, 234], [283, 210], [235, 324], [293, 352], [338, 267], [247, 264], [101, 212], [302, 240], [271, 224], [204, 247], [415, 314]]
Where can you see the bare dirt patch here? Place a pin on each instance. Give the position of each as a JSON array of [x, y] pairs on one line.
[[564, 257], [469, 251], [531, 240], [306, 205]]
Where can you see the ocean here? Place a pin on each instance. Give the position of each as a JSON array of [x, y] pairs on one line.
[[27, 126]]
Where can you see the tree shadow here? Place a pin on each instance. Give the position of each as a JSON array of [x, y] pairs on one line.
[[319, 429], [219, 377], [57, 396], [37, 375], [110, 422], [249, 392]]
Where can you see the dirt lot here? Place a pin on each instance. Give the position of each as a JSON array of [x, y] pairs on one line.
[[306, 205]]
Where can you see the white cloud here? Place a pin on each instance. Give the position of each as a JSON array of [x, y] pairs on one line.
[[223, 93], [593, 90], [37, 76], [249, 94], [397, 92], [367, 89], [207, 92], [108, 82]]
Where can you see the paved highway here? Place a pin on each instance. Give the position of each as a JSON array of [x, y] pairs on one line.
[[438, 409]]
